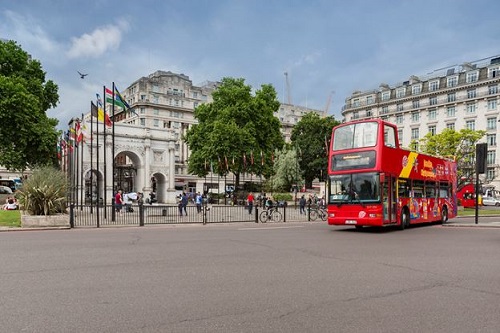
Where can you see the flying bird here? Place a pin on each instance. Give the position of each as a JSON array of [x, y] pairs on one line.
[[82, 75]]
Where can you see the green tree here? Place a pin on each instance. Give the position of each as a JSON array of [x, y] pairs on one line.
[[311, 135], [27, 136], [457, 145], [234, 129], [286, 169]]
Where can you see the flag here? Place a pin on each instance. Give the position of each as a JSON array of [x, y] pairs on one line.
[[261, 158], [118, 101], [78, 129], [58, 149], [119, 97], [103, 116], [83, 130]]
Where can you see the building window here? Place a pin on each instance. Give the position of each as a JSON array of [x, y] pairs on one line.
[[470, 124], [142, 121], [452, 81], [471, 107], [400, 135], [386, 95], [493, 72], [416, 104], [399, 107], [368, 113], [490, 173], [195, 94], [415, 135], [400, 93], [143, 97], [491, 123], [355, 115], [491, 139], [492, 104], [156, 123], [433, 100], [385, 109], [142, 110], [472, 77], [452, 97], [415, 116], [195, 105], [490, 157], [416, 89], [156, 112], [493, 89], [450, 111], [369, 100], [432, 114], [400, 119], [471, 93], [355, 103], [433, 85], [450, 126], [432, 130]]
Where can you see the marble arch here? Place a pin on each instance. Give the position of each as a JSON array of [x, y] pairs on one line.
[[149, 153]]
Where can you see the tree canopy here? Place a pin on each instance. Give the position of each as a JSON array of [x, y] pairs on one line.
[[457, 145], [27, 136], [311, 136], [286, 170], [237, 132]]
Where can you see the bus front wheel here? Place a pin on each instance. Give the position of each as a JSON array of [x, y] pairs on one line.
[[405, 219], [444, 215]]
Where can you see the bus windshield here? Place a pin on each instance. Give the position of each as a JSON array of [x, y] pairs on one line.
[[355, 188], [358, 135]]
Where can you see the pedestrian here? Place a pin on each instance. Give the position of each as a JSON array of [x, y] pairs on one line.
[[250, 200], [183, 201], [199, 201], [302, 204], [119, 201]]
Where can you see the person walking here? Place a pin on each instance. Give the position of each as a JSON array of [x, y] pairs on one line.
[[119, 201], [302, 204], [184, 202], [199, 201], [250, 200]]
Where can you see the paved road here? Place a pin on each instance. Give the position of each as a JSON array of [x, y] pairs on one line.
[[298, 277]]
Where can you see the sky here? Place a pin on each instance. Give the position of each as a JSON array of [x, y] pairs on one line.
[[329, 48]]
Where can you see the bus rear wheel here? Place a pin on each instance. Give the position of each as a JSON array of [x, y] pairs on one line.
[[444, 215], [405, 219]]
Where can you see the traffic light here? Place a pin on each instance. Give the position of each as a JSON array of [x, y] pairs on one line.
[[481, 153]]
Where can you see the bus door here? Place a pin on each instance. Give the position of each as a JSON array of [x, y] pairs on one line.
[[389, 198]]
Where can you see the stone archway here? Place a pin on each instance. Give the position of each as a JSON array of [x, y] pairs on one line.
[[128, 166], [93, 186], [160, 186]]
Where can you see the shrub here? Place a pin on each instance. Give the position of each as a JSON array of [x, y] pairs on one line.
[[283, 197], [44, 192]]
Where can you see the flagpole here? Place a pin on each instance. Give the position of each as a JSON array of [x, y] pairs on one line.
[[91, 160], [105, 154], [82, 197], [113, 143], [77, 178], [97, 167]]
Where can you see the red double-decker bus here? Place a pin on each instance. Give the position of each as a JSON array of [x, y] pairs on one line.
[[374, 182]]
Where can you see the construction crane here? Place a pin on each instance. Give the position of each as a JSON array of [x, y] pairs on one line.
[[289, 98], [329, 101]]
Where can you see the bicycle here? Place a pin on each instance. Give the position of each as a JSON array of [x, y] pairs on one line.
[[316, 212], [271, 214]]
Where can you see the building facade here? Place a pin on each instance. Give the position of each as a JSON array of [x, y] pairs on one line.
[[456, 97], [167, 100]]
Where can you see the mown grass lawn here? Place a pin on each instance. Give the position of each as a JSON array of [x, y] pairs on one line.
[[483, 212], [10, 218]]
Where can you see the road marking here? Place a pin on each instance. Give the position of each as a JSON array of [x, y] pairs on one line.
[[267, 228]]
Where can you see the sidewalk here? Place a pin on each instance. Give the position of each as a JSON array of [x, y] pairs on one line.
[[486, 221]]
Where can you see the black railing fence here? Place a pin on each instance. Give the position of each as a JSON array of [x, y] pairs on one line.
[[141, 215]]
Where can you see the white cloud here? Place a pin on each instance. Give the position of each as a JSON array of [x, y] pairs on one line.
[[98, 42]]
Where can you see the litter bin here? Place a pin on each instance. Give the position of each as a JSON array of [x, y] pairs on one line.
[[164, 212]]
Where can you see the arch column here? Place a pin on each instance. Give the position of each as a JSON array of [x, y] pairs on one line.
[[146, 178]]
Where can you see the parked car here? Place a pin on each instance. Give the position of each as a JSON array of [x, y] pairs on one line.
[[491, 201]]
